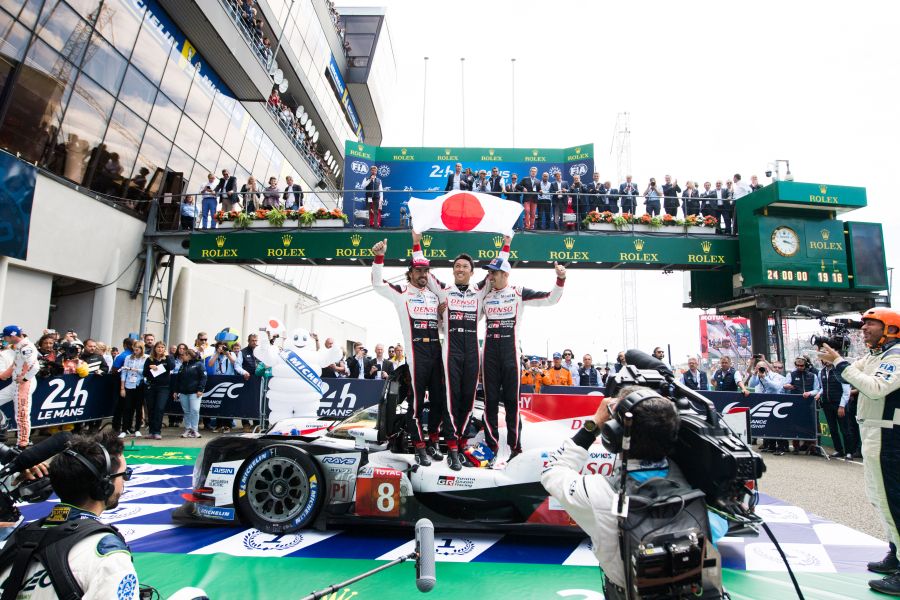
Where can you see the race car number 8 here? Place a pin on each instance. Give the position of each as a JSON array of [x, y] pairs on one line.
[[385, 501]]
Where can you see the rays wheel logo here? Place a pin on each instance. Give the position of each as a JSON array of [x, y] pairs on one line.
[[455, 547], [257, 540]]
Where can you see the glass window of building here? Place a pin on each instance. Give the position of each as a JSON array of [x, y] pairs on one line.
[[82, 129], [64, 31], [177, 80], [123, 138], [137, 92], [119, 22], [151, 52], [24, 12], [104, 64], [225, 162], [36, 105], [236, 129], [219, 117], [208, 154], [180, 162], [165, 116], [85, 8], [251, 146], [188, 136], [152, 156], [199, 101], [13, 38]]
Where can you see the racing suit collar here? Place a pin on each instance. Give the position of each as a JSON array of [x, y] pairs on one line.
[[63, 512], [884, 347]]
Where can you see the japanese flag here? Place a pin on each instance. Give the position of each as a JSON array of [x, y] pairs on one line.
[[465, 211]]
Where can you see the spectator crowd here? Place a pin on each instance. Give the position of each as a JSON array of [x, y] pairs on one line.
[[552, 203], [150, 372]]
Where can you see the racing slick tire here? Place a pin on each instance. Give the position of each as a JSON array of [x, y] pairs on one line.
[[279, 489]]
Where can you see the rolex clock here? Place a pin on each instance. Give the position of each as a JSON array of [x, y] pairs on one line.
[[785, 241]]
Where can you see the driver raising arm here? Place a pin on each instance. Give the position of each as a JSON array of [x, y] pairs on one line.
[[503, 308], [877, 377], [417, 309], [462, 363]]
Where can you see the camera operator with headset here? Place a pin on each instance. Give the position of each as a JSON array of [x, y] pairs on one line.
[[591, 499], [877, 377], [70, 553]]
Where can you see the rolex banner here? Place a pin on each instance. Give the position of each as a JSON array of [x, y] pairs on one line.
[[408, 172]]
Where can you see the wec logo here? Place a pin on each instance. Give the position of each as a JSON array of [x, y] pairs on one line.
[[765, 409], [224, 389]]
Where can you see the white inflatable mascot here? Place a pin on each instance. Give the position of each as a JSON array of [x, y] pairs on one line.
[[295, 387]]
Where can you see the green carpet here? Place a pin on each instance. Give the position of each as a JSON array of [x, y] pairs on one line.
[[225, 577]]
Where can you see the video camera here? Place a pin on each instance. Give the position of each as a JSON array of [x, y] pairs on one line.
[[712, 458], [837, 332], [15, 461], [664, 532]]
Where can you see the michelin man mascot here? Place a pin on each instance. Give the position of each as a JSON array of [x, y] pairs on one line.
[[295, 387]]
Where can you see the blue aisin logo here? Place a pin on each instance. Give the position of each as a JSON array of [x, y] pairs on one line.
[[223, 470]]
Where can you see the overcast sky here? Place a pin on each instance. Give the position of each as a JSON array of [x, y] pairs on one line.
[[712, 88]]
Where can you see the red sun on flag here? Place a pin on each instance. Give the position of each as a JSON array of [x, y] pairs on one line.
[[461, 212]]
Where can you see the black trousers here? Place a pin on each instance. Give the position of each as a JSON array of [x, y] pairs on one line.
[[427, 372], [462, 379], [156, 398], [501, 387], [726, 216], [853, 445], [672, 210], [131, 406], [838, 428]]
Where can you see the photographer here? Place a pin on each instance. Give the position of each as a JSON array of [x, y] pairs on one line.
[[76, 556], [767, 380], [533, 375], [589, 499], [877, 377]]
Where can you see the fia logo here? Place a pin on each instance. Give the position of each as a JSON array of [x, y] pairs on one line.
[[454, 547], [359, 167], [257, 540], [579, 169]]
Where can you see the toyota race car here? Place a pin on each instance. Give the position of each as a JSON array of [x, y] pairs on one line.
[[363, 468]]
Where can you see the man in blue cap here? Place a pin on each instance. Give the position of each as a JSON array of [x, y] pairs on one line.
[[503, 307], [22, 371]]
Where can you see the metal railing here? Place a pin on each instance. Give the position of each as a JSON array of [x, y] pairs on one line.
[[254, 41], [563, 215]]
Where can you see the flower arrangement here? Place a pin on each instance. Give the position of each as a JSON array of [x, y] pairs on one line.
[[307, 217], [596, 216], [276, 216], [710, 221], [222, 216], [670, 221], [623, 220], [242, 220]]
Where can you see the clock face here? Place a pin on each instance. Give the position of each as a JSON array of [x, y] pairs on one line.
[[785, 241]]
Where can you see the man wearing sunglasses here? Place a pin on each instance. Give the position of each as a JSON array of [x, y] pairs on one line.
[[80, 556]]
